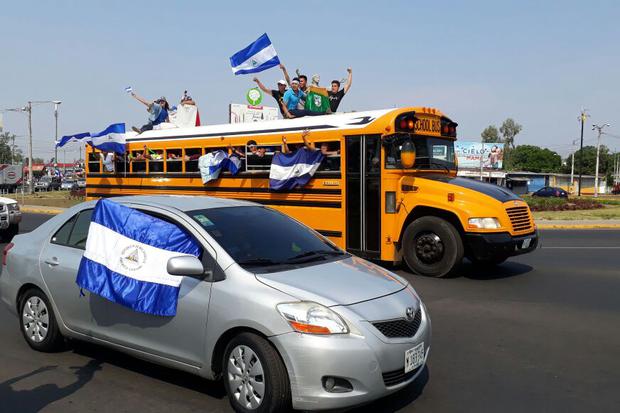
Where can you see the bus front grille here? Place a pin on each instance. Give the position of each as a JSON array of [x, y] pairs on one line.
[[520, 218]]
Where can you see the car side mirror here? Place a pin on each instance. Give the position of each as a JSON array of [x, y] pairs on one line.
[[185, 265]]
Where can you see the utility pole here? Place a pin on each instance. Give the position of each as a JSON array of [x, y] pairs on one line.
[[582, 117], [30, 175], [56, 104], [598, 150], [572, 166], [481, 156]]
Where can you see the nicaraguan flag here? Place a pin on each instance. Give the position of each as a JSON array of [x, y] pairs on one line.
[[257, 57], [126, 256], [295, 169], [72, 138], [211, 164], [112, 139]]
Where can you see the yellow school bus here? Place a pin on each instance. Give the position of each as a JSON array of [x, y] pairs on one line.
[[387, 189]]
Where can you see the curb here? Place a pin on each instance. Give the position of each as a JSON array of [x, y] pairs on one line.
[[41, 210], [578, 226]]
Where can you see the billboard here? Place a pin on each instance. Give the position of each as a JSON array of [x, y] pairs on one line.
[[248, 113], [470, 154]]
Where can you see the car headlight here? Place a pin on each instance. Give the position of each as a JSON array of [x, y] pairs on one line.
[[312, 318], [484, 223]]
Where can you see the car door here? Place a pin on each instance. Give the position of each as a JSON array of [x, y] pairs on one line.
[[180, 338], [59, 262]]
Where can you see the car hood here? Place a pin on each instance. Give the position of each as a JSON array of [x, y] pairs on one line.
[[341, 282]]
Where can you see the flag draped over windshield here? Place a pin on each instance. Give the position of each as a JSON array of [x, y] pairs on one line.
[[126, 257]]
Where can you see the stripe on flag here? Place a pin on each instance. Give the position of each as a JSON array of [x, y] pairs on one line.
[[112, 139], [126, 255], [293, 170], [257, 57]]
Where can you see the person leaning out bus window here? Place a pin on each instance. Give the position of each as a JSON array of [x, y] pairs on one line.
[[108, 161], [158, 112]]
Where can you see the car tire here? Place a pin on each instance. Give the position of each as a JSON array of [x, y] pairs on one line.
[[261, 387], [432, 247], [38, 322], [10, 232]]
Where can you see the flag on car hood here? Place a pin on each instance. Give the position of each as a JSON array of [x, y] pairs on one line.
[[126, 256], [295, 169]]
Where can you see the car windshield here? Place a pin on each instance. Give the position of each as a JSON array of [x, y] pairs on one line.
[[431, 153], [264, 240]]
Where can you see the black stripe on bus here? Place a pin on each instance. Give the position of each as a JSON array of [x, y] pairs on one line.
[[329, 233], [282, 202], [249, 132], [223, 175], [327, 191]]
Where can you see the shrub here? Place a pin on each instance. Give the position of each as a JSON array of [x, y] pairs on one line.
[[561, 204]]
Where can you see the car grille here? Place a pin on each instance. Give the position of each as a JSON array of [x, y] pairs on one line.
[[392, 378], [400, 327], [520, 218]]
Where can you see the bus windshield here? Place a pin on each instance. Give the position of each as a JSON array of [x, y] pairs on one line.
[[431, 153], [264, 240]]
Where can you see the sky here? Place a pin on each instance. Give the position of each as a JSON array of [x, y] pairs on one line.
[[480, 62]]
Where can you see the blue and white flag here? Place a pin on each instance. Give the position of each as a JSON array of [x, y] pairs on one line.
[[112, 139], [257, 57], [126, 256], [72, 138], [128, 89], [211, 164], [293, 170]]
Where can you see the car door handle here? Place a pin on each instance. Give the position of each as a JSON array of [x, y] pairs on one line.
[[52, 261]]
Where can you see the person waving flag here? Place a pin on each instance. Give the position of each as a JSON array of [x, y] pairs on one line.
[[257, 57]]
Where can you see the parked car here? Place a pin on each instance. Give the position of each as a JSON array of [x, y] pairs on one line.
[[293, 322], [68, 183], [47, 183], [549, 191], [10, 217], [81, 183]]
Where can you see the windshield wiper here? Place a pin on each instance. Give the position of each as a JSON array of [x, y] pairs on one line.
[[259, 262], [311, 256]]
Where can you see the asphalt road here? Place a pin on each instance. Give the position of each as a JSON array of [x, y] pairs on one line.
[[541, 333]]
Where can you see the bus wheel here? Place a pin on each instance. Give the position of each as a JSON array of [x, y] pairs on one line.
[[432, 247]]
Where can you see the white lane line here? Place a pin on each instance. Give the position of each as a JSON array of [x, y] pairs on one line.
[[581, 248]]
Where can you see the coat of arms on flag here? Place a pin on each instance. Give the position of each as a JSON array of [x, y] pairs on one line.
[[126, 257]]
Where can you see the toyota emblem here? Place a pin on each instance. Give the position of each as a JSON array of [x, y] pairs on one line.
[[409, 313]]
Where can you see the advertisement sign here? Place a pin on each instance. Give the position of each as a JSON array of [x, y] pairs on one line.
[[470, 153], [239, 113], [254, 96]]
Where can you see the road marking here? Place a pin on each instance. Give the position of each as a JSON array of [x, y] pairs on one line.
[[581, 248]]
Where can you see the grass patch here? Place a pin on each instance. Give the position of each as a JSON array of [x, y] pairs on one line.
[[59, 199], [604, 213]]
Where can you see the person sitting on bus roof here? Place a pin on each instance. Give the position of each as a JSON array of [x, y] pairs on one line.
[[158, 112], [292, 97], [336, 94], [276, 94]]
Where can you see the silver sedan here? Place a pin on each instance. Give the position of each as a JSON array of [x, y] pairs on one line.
[[275, 310]]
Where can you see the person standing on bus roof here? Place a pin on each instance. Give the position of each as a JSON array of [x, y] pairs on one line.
[[303, 86], [336, 94], [158, 112], [291, 99], [276, 94]]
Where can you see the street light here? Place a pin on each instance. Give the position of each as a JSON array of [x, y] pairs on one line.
[[598, 149], [56, 104]]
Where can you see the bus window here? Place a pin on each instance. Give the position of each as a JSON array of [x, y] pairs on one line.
[[174, 160], [259, 157], [138, 163], [331, 150], [191, 159], [156, 161], [93, 162], [121, 164]]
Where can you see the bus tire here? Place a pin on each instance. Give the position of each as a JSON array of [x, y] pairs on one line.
[[432, 247]]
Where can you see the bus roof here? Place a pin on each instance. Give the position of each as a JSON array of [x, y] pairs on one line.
[[350, 120]]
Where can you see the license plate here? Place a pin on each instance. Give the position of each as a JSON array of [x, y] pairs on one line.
[[526, 243], [414, 357]]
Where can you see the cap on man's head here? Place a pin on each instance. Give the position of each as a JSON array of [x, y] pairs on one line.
[[282, 82], [162, 99]]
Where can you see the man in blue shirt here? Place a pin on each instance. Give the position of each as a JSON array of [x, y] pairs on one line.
[[291, 99], [158, 112]]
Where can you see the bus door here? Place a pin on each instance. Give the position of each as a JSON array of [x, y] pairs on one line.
[[363, 200]]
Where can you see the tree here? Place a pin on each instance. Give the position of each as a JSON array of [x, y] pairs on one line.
[[589, 160], [6, 141], [490, 134], [534, 159], [509, 130]]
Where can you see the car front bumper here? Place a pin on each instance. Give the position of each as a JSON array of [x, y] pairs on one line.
[[484, 246], [361, 360]]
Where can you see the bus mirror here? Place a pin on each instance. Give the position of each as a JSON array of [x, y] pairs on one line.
[[407, 154]]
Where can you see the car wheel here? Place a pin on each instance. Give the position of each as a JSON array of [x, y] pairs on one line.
[[432, 247], [38, 323], [10, 232], [255, 377]]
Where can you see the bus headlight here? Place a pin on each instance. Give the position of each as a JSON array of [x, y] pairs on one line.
[[484, 223]]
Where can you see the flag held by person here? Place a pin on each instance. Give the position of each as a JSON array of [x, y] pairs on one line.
[[112, 139], [211, 164], [126, 257], [293, 170], [257, 57], [79, 137]]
